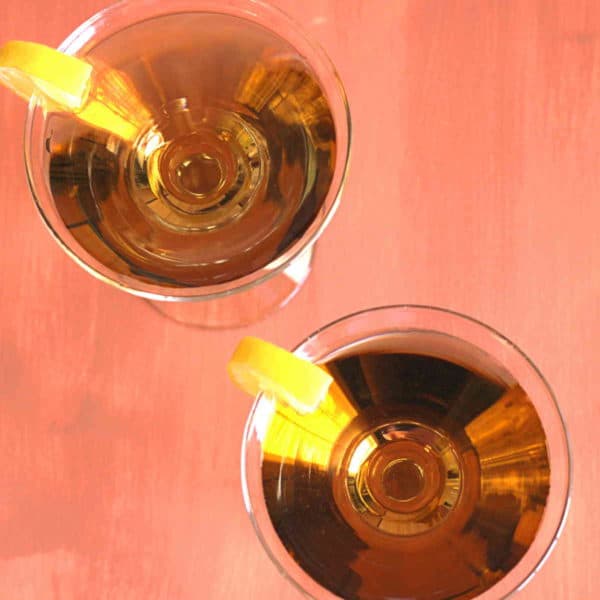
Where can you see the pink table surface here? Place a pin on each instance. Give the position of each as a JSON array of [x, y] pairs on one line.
[[474, 185]]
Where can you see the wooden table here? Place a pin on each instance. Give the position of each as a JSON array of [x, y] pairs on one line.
[[474, 185]]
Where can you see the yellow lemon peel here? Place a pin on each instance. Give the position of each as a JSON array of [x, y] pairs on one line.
[[257, 366]]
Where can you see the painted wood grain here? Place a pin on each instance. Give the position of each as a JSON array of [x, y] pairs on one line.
[[474, 185]]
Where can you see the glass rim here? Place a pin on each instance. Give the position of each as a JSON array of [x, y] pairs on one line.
[[563, 502], [335, 92]]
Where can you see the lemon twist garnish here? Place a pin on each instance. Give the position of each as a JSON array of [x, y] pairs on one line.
[[95, 94], [28, 68], [258, 366]]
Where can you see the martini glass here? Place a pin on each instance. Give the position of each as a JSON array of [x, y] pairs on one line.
[[437, 467], [205, 162]]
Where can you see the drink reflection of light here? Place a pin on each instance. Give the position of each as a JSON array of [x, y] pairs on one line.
[[113, 104], [288, 436]]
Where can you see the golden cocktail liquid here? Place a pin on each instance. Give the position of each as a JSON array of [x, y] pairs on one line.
[[418, 477], [219, 157]]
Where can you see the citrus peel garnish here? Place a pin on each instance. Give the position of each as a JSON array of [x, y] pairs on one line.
[[258, 367], [31, 69]]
